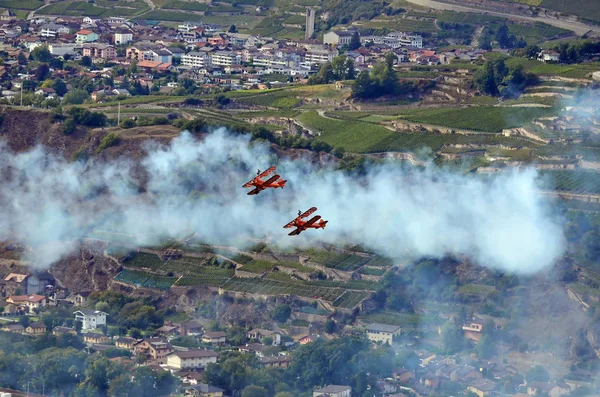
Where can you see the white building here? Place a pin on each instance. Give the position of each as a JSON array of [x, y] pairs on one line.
[[123, 37], [333, 391], [53, 30], [319, 57], [91, 319], [195, 59], [338, 38], [407, 40], [191, 359], [225, 58], [383, 333]]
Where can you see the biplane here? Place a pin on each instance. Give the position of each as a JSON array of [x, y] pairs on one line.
[[261, 184], [301, 225]]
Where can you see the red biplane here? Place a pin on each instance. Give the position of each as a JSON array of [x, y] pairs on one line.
[[301, 225], [260, 184]]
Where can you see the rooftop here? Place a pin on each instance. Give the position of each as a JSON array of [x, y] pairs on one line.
[[196, 354], [383, 328], [333, 389]]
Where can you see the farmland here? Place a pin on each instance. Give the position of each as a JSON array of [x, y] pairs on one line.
[[335, 260], [81, 8], [580, 181], [584, 8], [21, 5]]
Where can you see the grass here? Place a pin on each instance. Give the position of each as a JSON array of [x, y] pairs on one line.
[[476, 289], [477, 118], [405, 320], [575, 71]]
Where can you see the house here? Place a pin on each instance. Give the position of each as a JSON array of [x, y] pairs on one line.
[[81, 298], [63, 331], [482, 387], [13, 327], [27, 303], [125, 342], [548, 56], [156, 349], [189, 328], [309, 339], [102, 51], [123, 37], [52, 30], [93, 338], [86, 36], [473, 331], [403, 375], [551, 389], [91, 319], [36, 328], [191, 359], [61, 49], [337, 38], [275, 361], [46, 92], [27, 284], [465, 373], [217, 338], [8, 15], [167, 330], [202, 390], [255, 348], [259, 334], [383, 333], [333, 391]]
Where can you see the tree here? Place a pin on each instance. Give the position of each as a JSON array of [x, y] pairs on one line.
[[281, 313], [354, 42], [232, 29], [330, 326], [41, 54], [591, 244], [537, 373], [502, 36], [485, 79], [22, 59], [128, 123], [267, 341], [451, 338], [255, 391], [486, 347], [75, 97], [42, 72], [485, 40], [86, 61], [60, 87], [363, 86]]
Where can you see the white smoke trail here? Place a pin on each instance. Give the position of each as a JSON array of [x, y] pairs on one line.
[[195, 187]]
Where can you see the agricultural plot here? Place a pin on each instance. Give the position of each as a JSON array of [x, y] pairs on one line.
[[408, 321], [587, 9], [21, 4], [335, 260], [349, 299], [476, 289], [577, 181], [401, 24], [208, 276], [278, 99], [372, 271], [78, 8], [576, 71], [143, 279], [173, 16]]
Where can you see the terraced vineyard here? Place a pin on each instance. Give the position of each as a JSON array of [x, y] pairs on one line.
[[335, 260], [580, 181], [143, 279]]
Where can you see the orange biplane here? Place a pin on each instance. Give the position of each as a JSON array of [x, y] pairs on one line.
[[301, 225], [260, 184]]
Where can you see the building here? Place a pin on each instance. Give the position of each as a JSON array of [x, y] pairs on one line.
[[217, 338], [27, 303], [91, 319], [337, 38], [102, 51], [8, 15], [156, 349], [549, 56], [310, 23], [333, 391], [275, 361], [259, 334], [126, 343], [482, 387], [383, 333], [191, 359], [203, 390], [319, 57], [473, 331], [86, 36], [13, 327], [26, 284], [36, 328], [81, 298], [63, 331], [406, 40], [195, 59], [123, 37], [225, 58], [59, 50], [52, 30], [93, 338]]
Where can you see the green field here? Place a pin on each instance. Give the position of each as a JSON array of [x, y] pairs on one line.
[[401, 24], [576, 181], [82, 8], [185, 5], [21, 4], [575, 71], [476, 289], [587, 9], [336, 260], [174, 16], [477, 118]]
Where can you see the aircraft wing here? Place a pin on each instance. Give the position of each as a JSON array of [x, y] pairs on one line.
[[267, 172], [309, 212], [270, 180], [249, 183], [253, 192], [295, 232], [291, 224], [312, 220]]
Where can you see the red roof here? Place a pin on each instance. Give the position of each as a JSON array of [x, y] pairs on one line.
[[85, 31], [27, 298]]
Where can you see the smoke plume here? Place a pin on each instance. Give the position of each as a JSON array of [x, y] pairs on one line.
[[193, 186]]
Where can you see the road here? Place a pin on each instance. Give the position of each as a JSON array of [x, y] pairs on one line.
[[577, 27]]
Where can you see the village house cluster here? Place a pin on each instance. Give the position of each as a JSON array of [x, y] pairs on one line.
[[211, 55]]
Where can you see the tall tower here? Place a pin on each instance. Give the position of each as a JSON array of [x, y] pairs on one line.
[[310, 23]]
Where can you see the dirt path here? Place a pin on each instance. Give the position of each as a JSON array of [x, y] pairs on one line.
[[577, 27]]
